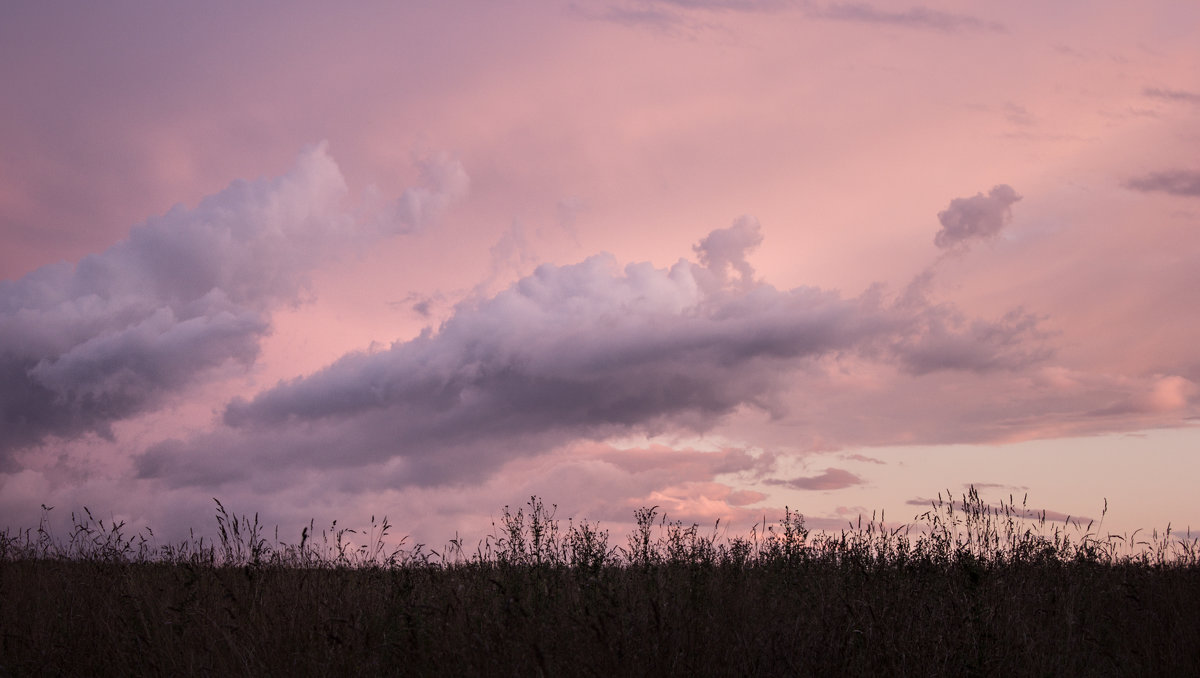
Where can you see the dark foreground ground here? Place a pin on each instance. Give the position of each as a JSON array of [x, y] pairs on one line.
[[974, 594]]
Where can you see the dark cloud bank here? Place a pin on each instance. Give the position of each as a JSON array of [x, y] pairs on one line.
[[83, 346], [589, 350]]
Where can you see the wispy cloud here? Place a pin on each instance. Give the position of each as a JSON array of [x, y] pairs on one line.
[[1175, 182], [917, 17], [1175, 95], [829, 479], [734, 5], [863, 458], [671, 14], [636, 16], [687, 464], [1021, 512]]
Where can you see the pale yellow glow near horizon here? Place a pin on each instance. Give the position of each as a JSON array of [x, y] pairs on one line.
[[1148, 478]]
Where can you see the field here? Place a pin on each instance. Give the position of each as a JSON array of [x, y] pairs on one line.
[[968, 589]]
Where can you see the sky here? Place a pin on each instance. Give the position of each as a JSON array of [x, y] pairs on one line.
[[721, 257]]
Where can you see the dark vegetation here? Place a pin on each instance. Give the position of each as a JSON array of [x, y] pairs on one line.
[[968, 590]]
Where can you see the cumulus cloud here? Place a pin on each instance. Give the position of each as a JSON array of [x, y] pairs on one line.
[[976, 218], [83, 346], [726, 249], [589, 351], [1175, 182]]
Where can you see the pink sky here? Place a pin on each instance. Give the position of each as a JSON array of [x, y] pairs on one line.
[[720, 256]]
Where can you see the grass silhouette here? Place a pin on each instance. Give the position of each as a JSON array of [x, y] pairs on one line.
[[967, 589]]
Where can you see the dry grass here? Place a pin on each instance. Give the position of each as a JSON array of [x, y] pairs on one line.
[[968, 590]]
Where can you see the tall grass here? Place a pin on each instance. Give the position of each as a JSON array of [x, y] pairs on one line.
[[968, 588]]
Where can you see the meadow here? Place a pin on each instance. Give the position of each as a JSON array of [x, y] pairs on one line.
[[966, 589]]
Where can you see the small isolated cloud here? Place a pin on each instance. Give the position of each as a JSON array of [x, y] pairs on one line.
[[423, 305], [667, 15], [83, 346], [1019, 115], [726, 249], [1174, 95], [994, 486], [673, 15], [915, 17], [733, 5], [979, 217], [646, 15], [1023, 512], [1175, 182], [863, 458], [830, 479]]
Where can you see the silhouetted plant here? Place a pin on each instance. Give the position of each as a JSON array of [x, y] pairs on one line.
[[968, 588]]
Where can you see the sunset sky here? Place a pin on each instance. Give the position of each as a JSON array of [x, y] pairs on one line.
[[719, 256]]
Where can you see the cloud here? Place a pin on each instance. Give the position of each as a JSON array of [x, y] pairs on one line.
[[669, 16], [1022, 512], [443, 182], [116, 334], [1019, 115], [733, 5], [829, 479], [726, 249], [916, 17], [1175, 182], [1162, 394], [604, 483], [994, 486], [666, 15], [976, 218], [687, 464], [636, 15], [584, 351], [947, 341], [863, 458], [1176, 95]]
